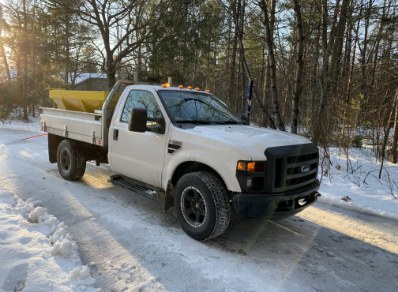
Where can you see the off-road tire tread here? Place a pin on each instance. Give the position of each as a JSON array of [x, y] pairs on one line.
[[78, 161], [220, 198]]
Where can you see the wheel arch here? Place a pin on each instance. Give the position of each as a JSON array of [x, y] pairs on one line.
[[182, 169], [53, 142], [91, 152], [192, 166]]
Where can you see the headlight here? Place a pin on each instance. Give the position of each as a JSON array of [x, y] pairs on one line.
[[251, 175]]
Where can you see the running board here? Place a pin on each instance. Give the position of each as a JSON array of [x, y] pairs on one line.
[[135, 187]]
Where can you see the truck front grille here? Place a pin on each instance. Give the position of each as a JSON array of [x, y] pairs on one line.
[[291, 167]]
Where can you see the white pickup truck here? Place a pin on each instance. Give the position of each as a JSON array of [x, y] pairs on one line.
[[191, 151]]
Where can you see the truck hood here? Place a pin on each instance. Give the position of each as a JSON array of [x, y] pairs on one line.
[[254, 140]]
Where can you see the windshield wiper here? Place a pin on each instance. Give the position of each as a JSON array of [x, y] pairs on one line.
[[192, 99], [207, 122], [203, 122]]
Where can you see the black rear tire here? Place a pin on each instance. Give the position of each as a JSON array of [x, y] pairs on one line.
[[71, 162], [202, 206]]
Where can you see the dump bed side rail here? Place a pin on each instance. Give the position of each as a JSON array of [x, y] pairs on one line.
[[80, 126]]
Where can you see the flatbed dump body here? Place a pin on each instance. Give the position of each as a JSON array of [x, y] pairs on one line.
[[75, 125], [82, 115]]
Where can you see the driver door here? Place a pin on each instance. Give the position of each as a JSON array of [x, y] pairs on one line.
[[138, 155]]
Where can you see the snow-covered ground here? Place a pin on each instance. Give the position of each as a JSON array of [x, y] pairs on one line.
[[36, 247], [33, 124], [36, 251], [353, 182]]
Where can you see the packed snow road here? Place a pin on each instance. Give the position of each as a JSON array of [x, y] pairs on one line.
[[131, 244]]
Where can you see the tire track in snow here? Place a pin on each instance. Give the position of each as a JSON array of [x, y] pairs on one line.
[[378, 232]]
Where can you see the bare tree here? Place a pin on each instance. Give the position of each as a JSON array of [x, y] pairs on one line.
[[2, 51], [118, 23], [297, 88], [332, 45], [268, 36], [395, 137], [24, 59], [236, 9], [238, 13]]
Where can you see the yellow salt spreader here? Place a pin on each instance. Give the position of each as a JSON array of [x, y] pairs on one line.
[[77, 100]]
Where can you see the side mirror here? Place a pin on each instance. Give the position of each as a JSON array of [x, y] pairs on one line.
[[138, 119], [160, 127]]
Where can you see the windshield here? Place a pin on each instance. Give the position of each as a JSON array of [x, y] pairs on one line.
[[196, 107]]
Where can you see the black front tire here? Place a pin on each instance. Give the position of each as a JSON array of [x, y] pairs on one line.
[[71, 162], [202, 206]]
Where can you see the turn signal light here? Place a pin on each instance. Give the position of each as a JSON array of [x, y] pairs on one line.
[[241, 166], [250, 166]]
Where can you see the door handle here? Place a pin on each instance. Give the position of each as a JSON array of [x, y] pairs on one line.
[[115, 134]]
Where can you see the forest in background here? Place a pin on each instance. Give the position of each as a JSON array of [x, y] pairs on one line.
[[324, 69]]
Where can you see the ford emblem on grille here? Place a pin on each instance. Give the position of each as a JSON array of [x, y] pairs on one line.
[[305, 168]]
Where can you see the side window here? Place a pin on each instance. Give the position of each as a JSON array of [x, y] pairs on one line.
[[141, 99]]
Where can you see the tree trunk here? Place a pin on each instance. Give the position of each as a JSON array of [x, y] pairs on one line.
[[232, 64], [266, 85], [348, 72], [25, 63], [319, 125], [272, 63], [2, 52], [338, 43], [395, 137], [68, 70], [255, 91], [364, 53], [111, 72], [297, 87], [33, 60], [387, 128]]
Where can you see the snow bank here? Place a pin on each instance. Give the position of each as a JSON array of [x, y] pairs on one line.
[[37, 214], [353, 183], [16, 124], [36, 251]]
